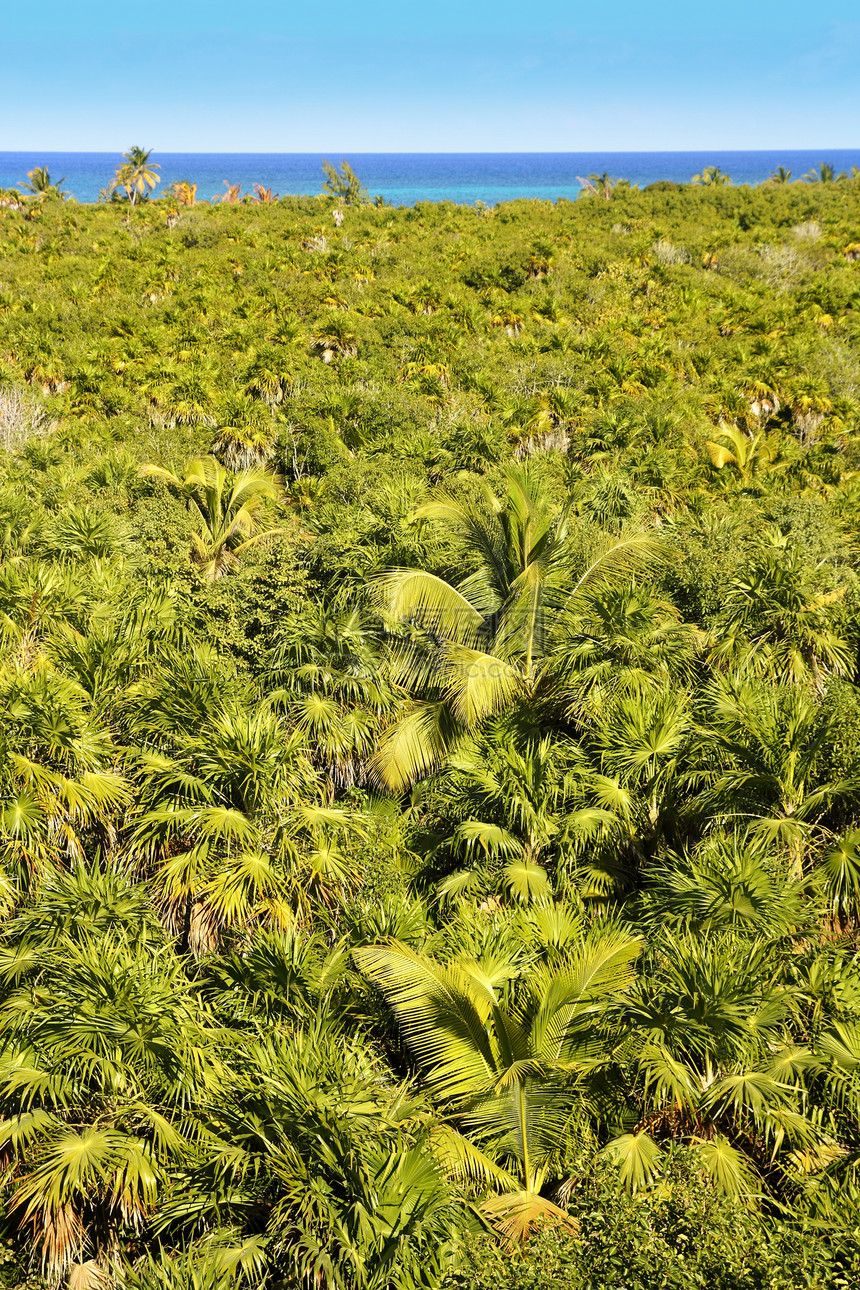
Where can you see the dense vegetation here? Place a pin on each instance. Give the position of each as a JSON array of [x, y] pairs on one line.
[[429, 805]]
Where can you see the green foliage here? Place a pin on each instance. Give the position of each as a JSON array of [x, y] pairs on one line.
[[344, 184], [429, 713], [680, 1234]]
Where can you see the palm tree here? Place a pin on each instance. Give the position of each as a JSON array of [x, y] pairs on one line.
[[748, 456], [227, 504], [624, 633], [780, 176], [41, 185], [599, 185], [825, 174], [185, 192], [309, 1145], [711, 177], [59, 787], [516, 799], [335, 338], [92, 1115], [243, 447], [728, 881], [736, 1092], [137, 176], [759, 753], [231, 196], [776, 621], [328, 668], [485, 645], [508, 1055]]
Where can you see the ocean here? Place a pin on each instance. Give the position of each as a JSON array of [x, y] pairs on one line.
[[406, 178]]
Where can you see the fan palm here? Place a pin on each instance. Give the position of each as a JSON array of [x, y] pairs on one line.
[[102, 1044], [227, 504], [777, 622], [286, 976], [714, 1057], [728, 881], [334, 1164], [329, 666], [522, 793], [624, 634], [59, 789], [217, 1261], [762, 745]]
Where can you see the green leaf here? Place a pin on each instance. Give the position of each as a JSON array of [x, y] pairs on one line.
[[638, 1158]]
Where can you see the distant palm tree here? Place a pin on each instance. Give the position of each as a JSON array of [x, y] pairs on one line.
[[711, 177], [599, 185], [825, 174], [137, 176], [780, 175], [231, 196], [185, 192], [41, 186]]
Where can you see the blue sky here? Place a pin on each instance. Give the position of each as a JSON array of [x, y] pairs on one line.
[[473, 75]]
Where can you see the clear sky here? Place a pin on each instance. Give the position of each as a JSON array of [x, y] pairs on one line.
[[443, 75]]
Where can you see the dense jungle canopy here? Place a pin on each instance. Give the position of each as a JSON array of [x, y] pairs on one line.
[[430, 777]]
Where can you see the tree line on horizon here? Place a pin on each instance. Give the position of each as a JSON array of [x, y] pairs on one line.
[[137, 177]]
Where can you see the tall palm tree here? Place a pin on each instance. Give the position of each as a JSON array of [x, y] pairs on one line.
[[229, 507], [483, 645], [137, 176]]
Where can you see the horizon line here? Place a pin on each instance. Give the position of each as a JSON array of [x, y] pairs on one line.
[[398, 152]]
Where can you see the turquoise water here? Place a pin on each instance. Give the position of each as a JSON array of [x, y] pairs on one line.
[[406, 178]]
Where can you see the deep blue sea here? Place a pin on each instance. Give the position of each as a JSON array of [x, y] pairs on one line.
[[408, 177]]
